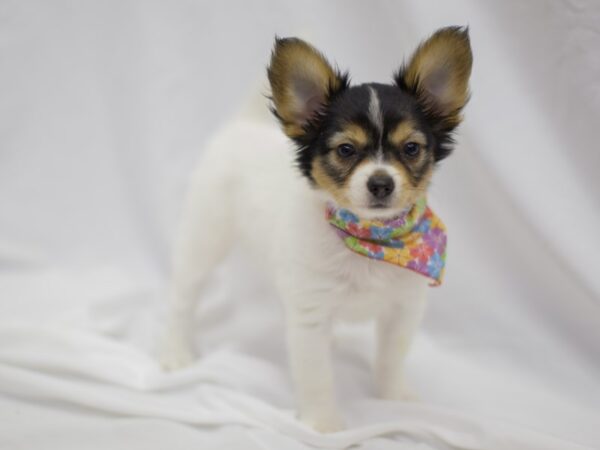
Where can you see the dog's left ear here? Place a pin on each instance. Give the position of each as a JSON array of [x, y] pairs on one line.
[[302, 84], [438, 75]]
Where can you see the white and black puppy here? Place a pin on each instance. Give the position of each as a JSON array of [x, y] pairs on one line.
[[327, 229]]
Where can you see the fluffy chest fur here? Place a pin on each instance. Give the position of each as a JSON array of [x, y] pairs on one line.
[[281, 220]]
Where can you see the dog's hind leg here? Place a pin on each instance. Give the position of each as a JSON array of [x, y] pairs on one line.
[[201, 243]]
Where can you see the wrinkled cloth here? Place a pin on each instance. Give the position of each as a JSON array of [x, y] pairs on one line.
[[105, 108]]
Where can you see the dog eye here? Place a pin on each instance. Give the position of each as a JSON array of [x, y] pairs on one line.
[[411, 149], [346, 150]]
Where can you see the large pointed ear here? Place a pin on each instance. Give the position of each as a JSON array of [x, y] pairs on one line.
[[302, 84], [438, 74]]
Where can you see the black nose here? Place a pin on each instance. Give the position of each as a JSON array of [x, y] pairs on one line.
[[380, 185]]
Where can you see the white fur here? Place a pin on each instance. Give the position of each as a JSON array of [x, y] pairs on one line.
[[247, 173], [375, 111], [376, 118]]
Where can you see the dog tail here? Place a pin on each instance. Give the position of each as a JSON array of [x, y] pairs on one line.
[[256, 105]]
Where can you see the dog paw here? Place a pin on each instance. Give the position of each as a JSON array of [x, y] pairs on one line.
[[399, 392], [175, 353], [324, 424]]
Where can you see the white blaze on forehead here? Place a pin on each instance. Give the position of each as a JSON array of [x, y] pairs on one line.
[[375, 111], [376, 119]]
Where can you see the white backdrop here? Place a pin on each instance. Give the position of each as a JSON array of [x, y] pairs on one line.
[[105, 107]]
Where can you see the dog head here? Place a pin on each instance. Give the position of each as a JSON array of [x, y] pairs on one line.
[[372, 147]]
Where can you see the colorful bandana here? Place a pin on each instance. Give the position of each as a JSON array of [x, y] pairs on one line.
[[415, 240]]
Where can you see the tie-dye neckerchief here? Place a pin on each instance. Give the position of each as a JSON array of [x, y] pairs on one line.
[[415, 240]]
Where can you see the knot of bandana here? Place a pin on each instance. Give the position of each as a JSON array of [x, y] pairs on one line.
[[415, 240]]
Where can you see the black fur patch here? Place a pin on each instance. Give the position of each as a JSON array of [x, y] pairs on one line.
[[351, 105]]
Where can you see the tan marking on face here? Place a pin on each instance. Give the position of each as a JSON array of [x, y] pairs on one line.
[[325, 182], [410, 191], [351, 134], [404, 132], [415, 170]]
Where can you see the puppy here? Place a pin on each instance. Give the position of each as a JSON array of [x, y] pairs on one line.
[[346, 233]]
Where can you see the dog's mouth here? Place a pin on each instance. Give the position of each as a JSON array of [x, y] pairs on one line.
[[376, 210], [379, 205]]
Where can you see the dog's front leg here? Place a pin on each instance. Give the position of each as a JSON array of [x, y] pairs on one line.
[[396, 327], [309, 346]]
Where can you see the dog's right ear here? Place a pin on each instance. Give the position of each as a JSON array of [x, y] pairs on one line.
[[302, 84]]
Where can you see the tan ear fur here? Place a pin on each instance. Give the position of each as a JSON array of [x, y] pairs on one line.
[[439, 70], [301, 79]]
